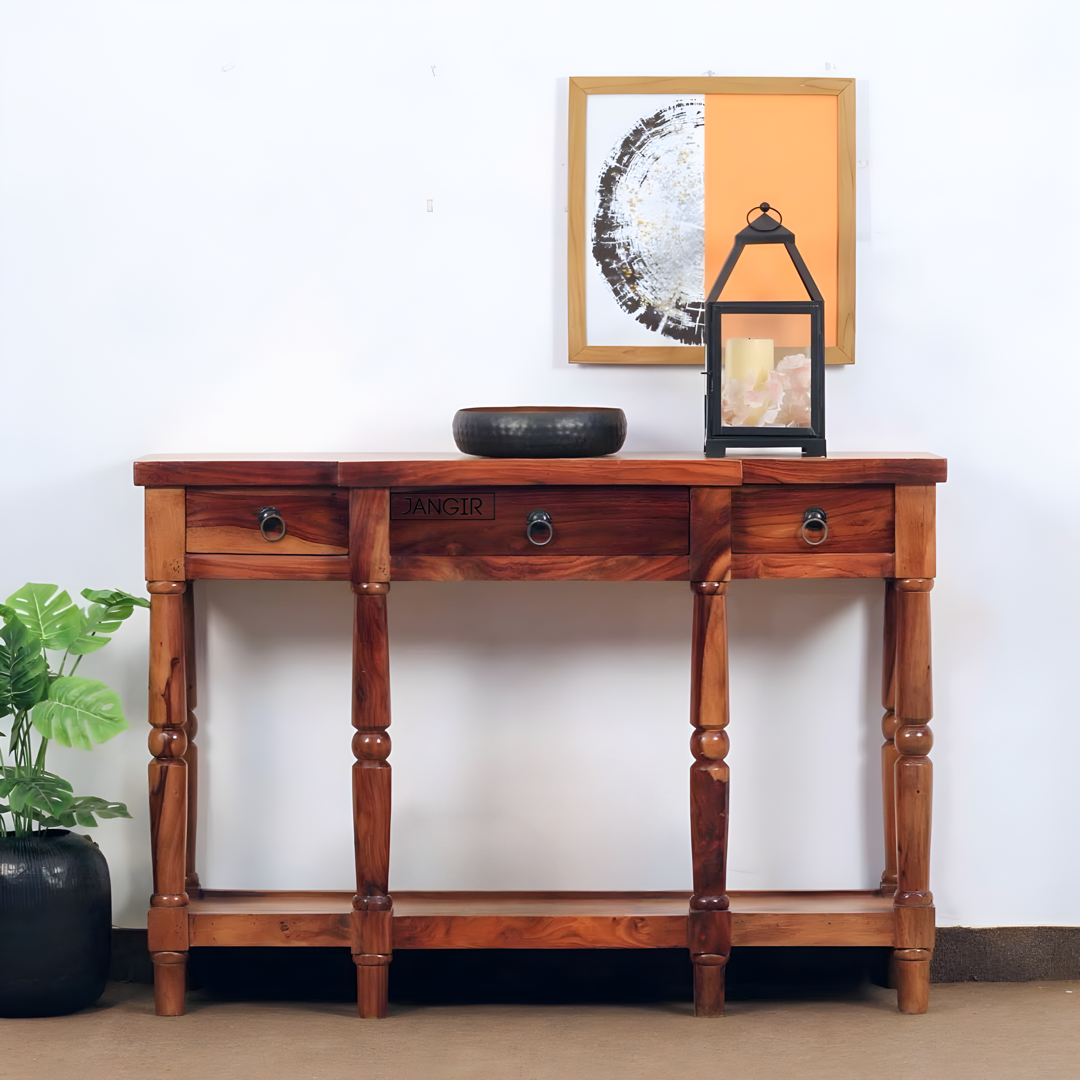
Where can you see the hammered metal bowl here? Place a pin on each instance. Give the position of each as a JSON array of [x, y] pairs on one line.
[[539, 431]]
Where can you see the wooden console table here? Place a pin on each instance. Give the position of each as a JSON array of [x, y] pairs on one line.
[[375, 519]]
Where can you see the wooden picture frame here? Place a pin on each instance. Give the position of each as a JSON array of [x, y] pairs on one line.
[[581, 350]]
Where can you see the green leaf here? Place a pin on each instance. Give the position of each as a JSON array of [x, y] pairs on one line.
[[86, 806], [49, 614], [98, 625], [115, 598], [37, 795], [79, 712], [109, 609], [12, 774], [24, 675], [63, 821]]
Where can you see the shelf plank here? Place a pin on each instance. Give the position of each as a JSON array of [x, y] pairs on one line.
[[566, 920], [564, 931]]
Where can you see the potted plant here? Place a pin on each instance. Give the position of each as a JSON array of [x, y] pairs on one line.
[[55, 899]]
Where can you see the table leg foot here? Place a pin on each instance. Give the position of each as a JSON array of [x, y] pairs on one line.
[[170, 982], [372, 982], [912, 980], [709, 985]]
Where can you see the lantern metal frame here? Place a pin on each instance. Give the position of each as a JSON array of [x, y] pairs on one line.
[[719, 438]]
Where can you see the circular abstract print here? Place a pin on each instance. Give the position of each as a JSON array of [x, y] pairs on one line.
[[649, 229]]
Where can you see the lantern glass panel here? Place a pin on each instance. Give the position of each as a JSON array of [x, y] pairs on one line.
[[765, 370]]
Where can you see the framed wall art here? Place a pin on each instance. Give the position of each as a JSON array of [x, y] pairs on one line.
[[662, 172]]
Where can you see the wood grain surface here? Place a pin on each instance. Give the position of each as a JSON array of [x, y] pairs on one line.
[[210, 470], [768, 519], [710, 534], [539, 568], [888, 746], [916, 543], [167, 926], [846, 468], [191, 755], [541, 919], [268, 567], [369, 544], [540, 932], [709, 925], [685, 468], [226, 520], [164, 532], [585, 521], [913, 785], [459, 470], [812, 566]]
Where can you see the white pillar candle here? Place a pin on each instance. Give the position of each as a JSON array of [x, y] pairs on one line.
[[749, 360]]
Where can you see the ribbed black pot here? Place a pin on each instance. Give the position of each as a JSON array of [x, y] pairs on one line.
[[55, 923]]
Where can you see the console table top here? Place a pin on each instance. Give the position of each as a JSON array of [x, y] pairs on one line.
[[683, 468]]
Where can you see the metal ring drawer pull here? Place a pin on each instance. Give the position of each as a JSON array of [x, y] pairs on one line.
[[271, 516], [816, 520], [539, 520]]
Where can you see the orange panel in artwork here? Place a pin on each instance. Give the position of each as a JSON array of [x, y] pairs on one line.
[[780, 149]]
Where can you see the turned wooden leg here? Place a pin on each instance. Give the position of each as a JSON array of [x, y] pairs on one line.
[[191, 755], [372, 905], [170, 982], [167, 920], [913, 902], [888, 749], [709, 923]]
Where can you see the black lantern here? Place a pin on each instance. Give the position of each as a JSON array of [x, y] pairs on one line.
[[765, 359]]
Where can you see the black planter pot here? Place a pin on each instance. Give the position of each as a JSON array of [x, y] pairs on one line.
[[55, 923]]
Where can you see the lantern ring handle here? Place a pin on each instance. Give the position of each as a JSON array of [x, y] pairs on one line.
[[764, 208]]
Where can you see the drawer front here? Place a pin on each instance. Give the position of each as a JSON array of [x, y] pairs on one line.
[[769, 518], [584, 521], [226, 521]]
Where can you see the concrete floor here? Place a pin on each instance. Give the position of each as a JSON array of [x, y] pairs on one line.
[[974, 1031]]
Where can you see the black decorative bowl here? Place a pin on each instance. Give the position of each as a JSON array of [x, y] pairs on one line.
[[539, 431]]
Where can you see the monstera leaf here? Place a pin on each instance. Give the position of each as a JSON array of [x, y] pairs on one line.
[[49, 614], [79, 712], [38, 793], [115, 598], [23, 672], [82, 811], [109, 608]]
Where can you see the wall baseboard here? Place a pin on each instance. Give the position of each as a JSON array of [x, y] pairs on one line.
[[962, 954], [1006, 954]]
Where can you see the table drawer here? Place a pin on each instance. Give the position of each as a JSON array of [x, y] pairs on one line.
[[769, 518], [584, 521], [226, 521]]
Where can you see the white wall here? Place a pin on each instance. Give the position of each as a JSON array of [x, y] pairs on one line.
[[213, 236]]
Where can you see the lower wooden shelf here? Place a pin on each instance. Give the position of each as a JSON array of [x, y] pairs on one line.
[[540, 920]]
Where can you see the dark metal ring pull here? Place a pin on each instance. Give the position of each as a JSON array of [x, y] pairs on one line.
[[539, 521], [271, 516], [816, 520]]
